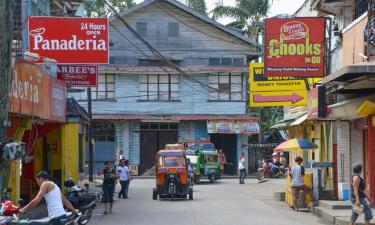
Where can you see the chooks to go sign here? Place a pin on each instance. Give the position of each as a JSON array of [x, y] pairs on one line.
[[294, 47], [70, 40], [275, 91]]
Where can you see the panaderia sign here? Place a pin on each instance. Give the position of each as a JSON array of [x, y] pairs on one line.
[[69, 39], [35, 94], [295, 47]]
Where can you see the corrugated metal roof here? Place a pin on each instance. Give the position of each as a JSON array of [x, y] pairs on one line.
[[195, 14]]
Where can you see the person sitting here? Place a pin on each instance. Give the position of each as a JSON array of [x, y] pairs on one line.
[[275, 164]]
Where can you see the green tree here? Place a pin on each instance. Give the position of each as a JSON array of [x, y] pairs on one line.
[[97, 8], [247, 15], [197, 5]]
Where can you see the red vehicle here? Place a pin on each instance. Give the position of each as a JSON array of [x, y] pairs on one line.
[[265, 171]]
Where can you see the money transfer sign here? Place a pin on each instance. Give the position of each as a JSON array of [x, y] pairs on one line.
[[70, 40], [294, 47], [275, 91]]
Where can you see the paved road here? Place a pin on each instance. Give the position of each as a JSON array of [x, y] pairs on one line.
[[223, 203]]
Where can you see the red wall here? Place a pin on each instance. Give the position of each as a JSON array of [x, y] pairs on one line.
[[371, 157]]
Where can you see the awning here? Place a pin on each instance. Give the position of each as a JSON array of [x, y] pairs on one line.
[[299, 120], [351, 72], [367, 108], [287, 121]]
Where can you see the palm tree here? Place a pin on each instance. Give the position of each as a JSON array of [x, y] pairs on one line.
[[247, 15], [197, 5], [97, 8]]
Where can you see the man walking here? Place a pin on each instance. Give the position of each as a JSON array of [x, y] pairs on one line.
[[124, 173], [241, 167], [297, 173]]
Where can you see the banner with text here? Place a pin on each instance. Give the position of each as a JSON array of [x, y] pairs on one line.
[[295, 47], [78, 75], [233, 127], [70, 40], [33, 93]]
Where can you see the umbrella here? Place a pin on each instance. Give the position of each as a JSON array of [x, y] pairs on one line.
[[295, 144]]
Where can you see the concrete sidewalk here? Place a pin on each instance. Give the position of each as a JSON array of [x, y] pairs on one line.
[[337, 212]]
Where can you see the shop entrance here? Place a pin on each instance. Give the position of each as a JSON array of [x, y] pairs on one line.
[[228, 143], [154, 137]]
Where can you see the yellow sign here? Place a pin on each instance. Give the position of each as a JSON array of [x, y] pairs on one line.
[[275, 91], [278, 98], [134, 170]]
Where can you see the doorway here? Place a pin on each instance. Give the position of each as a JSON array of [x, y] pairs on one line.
[[228, 143], [154, 137]]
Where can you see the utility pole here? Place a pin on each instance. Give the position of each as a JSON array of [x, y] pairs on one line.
[[91, 147], [6, 36]]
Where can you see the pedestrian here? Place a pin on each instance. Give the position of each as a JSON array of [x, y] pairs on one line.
[[129, 178], [359, 195], [222, 160], [275, 164], [190, 172], [109, 184], [297, 173], [241, 167], [123, 171]]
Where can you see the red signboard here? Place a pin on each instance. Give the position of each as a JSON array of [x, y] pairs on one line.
[[70, 40], [78, 75], [294, 47], [33, 93]]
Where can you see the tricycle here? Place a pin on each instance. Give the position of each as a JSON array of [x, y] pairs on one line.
[[205, 163], [172, 176]]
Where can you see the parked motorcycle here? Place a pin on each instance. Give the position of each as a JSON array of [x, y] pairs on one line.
[[81, 199], [8, 216], [265, 171]]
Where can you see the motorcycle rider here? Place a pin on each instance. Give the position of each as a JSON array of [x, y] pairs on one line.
[[54, 198], [275, 164]]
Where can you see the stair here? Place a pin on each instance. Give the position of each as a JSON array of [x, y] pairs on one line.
[[337, 212]]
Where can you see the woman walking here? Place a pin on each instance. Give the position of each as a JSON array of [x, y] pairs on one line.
[[359, 195], [241, 167], [109, 184]]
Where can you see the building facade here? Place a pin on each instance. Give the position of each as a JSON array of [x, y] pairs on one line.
[[143, 103]]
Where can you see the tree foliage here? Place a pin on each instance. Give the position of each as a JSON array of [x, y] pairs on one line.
[[247, 15], [97, 8], [198, 5]]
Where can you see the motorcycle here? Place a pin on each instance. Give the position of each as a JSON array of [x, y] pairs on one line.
[[8, 216], [265, 171], [81, 199]]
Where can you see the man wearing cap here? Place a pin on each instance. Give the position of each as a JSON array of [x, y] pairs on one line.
[[297, 172]]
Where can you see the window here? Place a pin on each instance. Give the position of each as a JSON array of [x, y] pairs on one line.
[[238, 62], [156, 62], [103, 131], [105, 89], [141, 28], [214, 61], [173, 30], [226, 61], [361, 6], [159, 87], [229, 87]]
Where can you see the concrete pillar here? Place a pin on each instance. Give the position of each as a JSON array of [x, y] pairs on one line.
[[69, 151]]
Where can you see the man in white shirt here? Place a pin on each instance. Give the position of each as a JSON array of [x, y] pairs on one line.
[[124, 173], [242, 168], [297, 172]]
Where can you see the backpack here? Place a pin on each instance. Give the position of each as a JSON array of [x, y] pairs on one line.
[[109, 178]]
